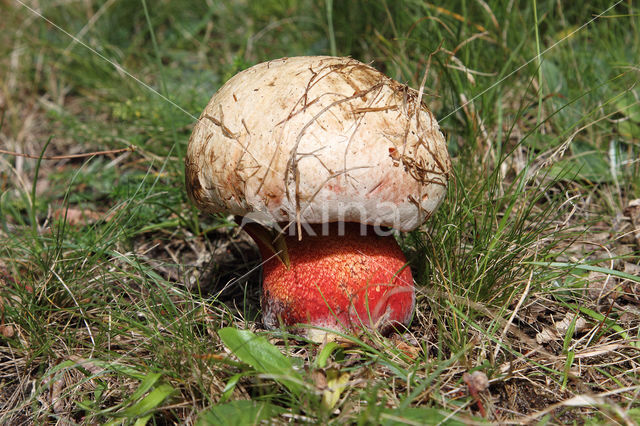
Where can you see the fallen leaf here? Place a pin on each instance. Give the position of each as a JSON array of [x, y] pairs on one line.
[[563, 326], [411, 351], [57, 401], [631, 269], [88, 364], [407, 344], [601, 285], [560, 328], [7, 331], [547, 335], [77, 217]]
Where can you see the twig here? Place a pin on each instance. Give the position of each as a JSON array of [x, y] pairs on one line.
[[70, 156]]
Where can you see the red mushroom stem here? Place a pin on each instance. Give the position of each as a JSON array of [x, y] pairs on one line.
[[350, 278]]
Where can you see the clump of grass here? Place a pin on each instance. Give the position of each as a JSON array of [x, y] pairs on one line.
[[121, 303]]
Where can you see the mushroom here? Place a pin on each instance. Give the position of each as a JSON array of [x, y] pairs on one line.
[[320, 158]]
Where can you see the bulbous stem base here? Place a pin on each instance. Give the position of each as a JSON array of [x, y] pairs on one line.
[[348, 279]]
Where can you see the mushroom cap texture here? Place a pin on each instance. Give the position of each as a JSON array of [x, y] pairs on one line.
[[318, 139]]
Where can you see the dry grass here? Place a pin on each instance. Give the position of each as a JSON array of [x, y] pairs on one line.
[[112, 284]]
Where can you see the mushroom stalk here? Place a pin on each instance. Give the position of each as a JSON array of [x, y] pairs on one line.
[[345, 277]]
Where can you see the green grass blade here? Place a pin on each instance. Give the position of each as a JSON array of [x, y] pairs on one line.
[[586, 267], [150, 402]]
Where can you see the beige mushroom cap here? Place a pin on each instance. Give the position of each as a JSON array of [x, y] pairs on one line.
[[318, 139]]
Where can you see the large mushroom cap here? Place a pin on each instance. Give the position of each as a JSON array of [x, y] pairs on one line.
[[318, 139]]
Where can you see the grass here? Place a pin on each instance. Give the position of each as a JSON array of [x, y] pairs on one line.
[[122, 304]]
